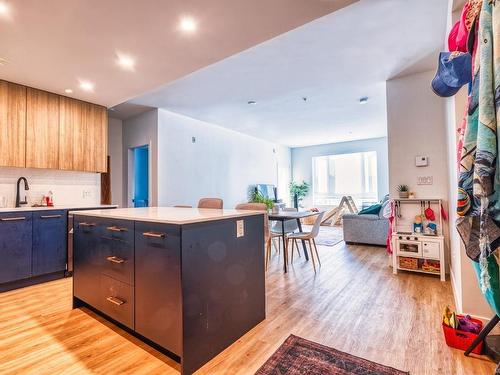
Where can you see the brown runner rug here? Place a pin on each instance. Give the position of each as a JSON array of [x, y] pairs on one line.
[[298, 356]]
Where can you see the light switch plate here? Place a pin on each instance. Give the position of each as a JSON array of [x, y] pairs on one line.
[[240, 228], [424, 180]]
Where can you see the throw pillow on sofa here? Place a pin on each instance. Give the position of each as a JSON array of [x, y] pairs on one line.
[[372, 210]]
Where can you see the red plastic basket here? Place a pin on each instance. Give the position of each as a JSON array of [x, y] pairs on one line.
[[462, 340]]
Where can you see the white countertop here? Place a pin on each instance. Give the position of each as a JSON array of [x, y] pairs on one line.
[[169, 215], [62, 207]]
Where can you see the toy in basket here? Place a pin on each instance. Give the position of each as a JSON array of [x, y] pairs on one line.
[[460, 331]]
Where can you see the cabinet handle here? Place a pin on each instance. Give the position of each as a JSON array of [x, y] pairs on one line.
[[115, 301], [114, 259], [116, 229], [154, 235], [50, 216], [87, 224], [14, 218]]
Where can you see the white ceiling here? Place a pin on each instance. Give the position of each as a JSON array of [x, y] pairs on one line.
[[332, 61], [52, 44]]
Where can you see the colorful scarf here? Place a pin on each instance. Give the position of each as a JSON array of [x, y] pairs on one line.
[[479, 178]]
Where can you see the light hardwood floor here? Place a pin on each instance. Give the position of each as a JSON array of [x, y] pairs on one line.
[[353, 304]]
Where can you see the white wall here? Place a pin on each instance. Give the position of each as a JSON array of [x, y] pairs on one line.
[[69, 188], [115, 150], [221, 163], [302, 161], [139, 131], [416, 119], [421, 123]]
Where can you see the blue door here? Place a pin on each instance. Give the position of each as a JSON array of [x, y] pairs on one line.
[[141, 176]]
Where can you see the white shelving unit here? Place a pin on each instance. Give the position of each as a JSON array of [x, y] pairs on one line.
[[418, 252]]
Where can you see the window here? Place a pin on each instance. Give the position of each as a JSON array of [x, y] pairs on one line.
[[347, 174]]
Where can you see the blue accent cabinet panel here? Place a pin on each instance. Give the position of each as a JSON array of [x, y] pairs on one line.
[[158, 303], [49, 241], [15, 246], [88, 260]]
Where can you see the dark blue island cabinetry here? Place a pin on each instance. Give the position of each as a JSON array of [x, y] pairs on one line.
[[188, 288]]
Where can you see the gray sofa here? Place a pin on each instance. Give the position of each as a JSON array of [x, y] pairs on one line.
[[366, 229]]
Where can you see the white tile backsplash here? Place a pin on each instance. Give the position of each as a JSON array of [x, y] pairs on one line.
[[69, 188]]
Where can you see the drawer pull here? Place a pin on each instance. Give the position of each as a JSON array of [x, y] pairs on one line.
[[87, 224], [115, 301], [14, 218], [114, 259], [154, 234], [116, 229], [50, 216]]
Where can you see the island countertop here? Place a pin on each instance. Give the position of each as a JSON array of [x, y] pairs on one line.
[[168, 215]]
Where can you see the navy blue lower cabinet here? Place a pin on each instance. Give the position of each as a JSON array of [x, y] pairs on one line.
[[49, 241], [15, 246], [158, 304], [88, 260]]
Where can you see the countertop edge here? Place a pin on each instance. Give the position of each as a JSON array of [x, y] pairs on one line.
[[166, 221]]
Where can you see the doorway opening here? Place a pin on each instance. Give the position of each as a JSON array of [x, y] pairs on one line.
[[140, 196]]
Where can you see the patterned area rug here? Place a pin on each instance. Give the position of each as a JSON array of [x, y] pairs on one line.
[[298, 356], [327, 236]]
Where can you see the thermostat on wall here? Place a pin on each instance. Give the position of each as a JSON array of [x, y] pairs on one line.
[[421, 161]]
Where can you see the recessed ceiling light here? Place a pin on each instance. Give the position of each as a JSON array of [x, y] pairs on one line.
[[68, 91], [86, 85], [252, 102], [4, 9], [188, 25], [125, 61], [363, 100]]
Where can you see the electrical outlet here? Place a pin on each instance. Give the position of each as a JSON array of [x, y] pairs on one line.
[[86, 194], [424, 180]]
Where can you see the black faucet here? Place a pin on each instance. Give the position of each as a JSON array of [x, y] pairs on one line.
[[19, 202]]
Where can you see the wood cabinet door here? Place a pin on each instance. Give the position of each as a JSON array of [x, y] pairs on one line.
[[12, 125], [70, 116], [83, 136], [100, 135], [42, 129]]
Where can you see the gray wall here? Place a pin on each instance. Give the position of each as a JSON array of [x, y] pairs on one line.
[[139, 131], [302, 161], [221, 163], [115, 150]]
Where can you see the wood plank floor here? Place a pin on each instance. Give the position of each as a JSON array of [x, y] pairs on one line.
[[353, 304]]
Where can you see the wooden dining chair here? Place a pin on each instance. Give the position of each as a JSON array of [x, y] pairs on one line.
[[216, 203], [309, 237], [267, 233]]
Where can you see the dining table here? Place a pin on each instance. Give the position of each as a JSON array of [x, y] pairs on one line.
[[283, 216]]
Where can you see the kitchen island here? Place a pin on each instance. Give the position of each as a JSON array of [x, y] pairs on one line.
[[187, 281]]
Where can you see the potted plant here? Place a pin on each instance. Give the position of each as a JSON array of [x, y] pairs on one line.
[[257, 197], [298, 192], [404, 191]]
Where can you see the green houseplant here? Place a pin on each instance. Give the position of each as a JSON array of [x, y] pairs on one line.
[[256, 197], [403, 190], [298, 192]]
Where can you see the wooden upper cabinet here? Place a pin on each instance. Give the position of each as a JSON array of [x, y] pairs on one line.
[[42, 129], [12, 125], [70, 116], [100, 130], [82, 136]]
